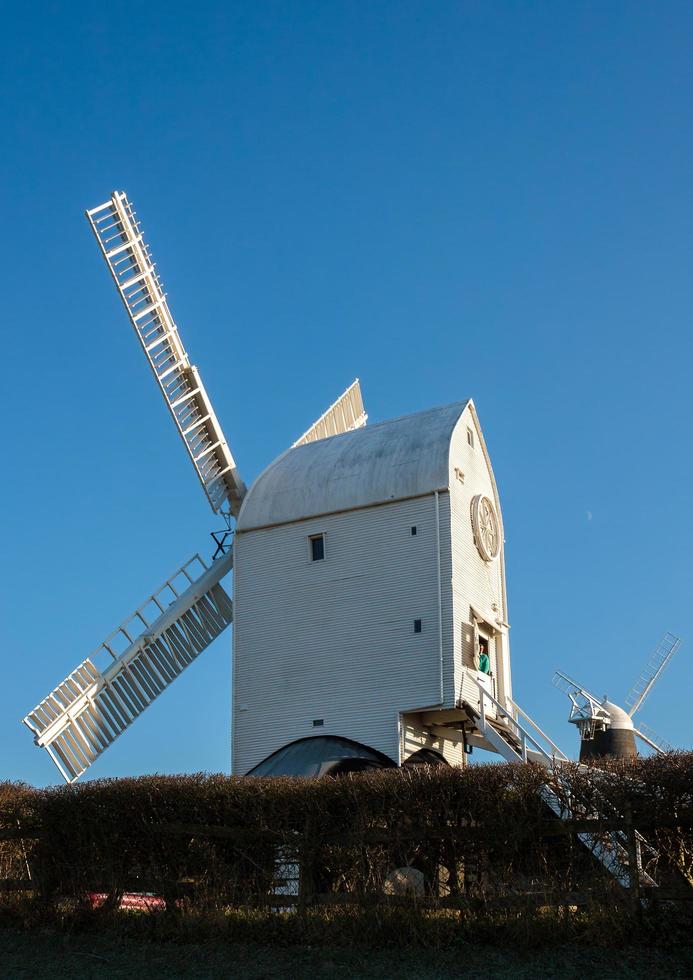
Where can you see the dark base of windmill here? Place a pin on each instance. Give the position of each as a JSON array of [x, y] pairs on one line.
[[617, 742]]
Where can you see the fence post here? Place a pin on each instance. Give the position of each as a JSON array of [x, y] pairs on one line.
[[633, 859], [306, 865]]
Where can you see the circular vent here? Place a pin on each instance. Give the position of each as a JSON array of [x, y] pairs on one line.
[[486, 528]]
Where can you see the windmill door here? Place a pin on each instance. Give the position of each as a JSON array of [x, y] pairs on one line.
[[485, 656]]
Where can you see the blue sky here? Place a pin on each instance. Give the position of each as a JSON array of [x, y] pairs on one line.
[[451, 199]]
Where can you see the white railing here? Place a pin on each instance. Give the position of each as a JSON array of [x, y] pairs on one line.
[[526, 741], [555, 751]]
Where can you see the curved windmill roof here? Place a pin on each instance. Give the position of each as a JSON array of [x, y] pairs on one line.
[[392, 460]]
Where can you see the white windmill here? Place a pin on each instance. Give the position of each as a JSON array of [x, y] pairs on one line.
[[369, 614], [605, 727]]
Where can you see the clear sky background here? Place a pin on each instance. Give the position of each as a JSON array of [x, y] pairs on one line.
[[486, 199]]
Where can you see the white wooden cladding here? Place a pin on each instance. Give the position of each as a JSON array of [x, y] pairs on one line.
[[345, 414], [120, 238], [336, 642], [93, 706], [478, 587]]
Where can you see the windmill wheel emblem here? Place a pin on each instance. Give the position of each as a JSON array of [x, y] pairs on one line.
[[486, 528]]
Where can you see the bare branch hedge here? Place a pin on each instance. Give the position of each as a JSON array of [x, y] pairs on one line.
[[468, 846]]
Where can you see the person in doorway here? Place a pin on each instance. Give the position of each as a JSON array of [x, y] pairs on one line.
[[484, 660]]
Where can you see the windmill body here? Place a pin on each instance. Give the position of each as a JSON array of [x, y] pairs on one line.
[[616, 737], [361, 595]]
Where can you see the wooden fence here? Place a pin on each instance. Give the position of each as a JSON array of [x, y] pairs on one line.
[[303, 853]]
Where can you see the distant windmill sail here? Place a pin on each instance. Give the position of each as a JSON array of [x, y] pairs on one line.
[[84, 715], [651, 738], [654, 668], [586, 710], [120, 238], [345, 414]]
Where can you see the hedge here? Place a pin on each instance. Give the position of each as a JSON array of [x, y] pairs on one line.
[[468, 845]]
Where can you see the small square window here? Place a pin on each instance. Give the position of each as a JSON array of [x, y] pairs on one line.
[[318, 723], [413, 530], [417, 625], [470, 437], [459, 474], [317, 547]]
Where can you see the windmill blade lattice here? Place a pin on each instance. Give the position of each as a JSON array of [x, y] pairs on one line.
[[84, 714], [345, 414], [660, 659], [651, 738], [121, 241], [585, 708]]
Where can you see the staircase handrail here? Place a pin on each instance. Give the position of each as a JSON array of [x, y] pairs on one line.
[[612, 850], [520, 733], [557, 752]]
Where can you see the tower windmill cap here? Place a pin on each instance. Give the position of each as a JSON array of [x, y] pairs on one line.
[[619, 718]]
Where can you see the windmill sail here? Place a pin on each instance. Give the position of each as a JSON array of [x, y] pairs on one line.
[[651, 738], [120, 238], [586, 711], [345, 414], [77, 721], [661, 657]]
